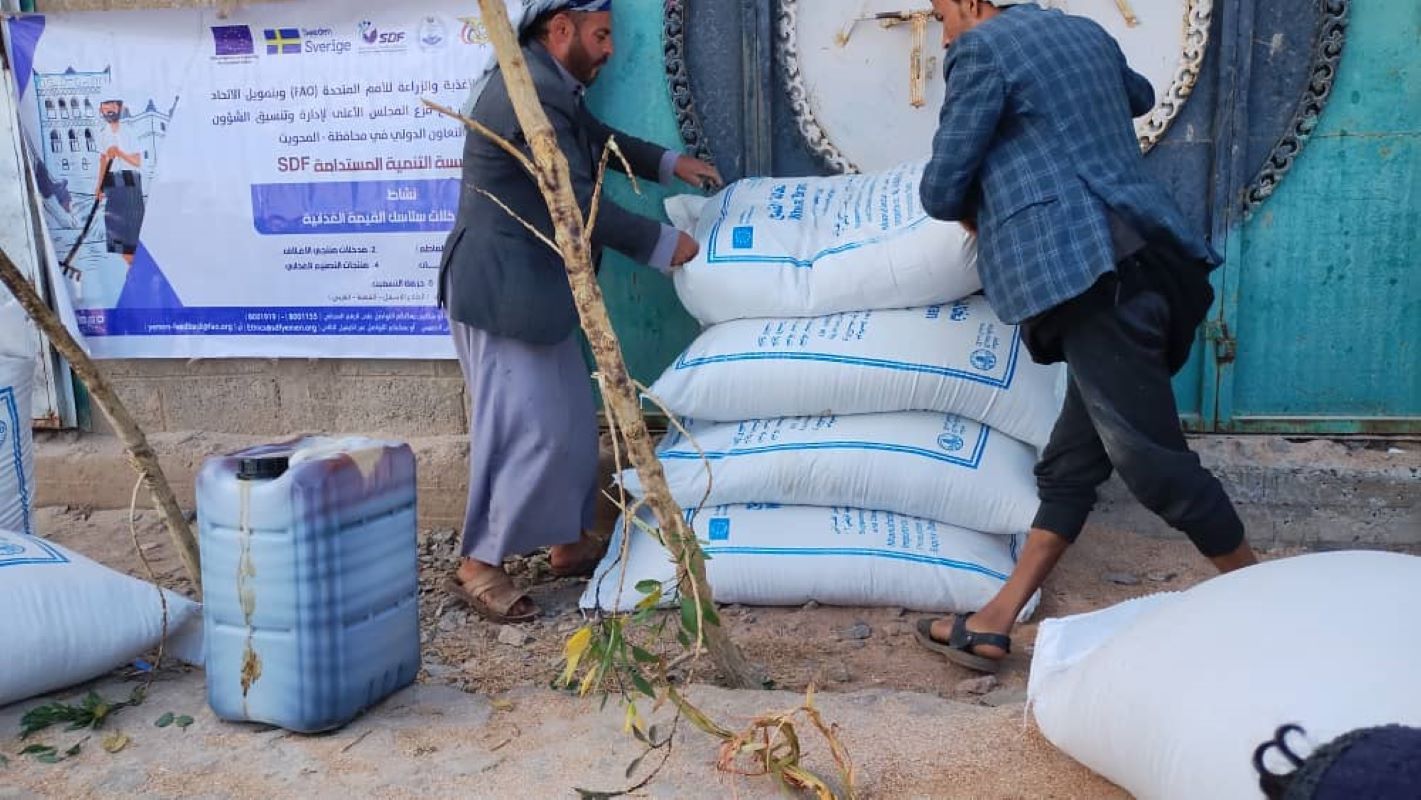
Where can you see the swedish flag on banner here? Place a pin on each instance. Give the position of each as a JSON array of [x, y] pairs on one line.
[[283, 41]]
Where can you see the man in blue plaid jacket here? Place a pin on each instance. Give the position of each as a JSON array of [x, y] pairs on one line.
[[1036, 153]]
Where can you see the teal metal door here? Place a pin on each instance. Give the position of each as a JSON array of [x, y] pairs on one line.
[[1319, 324]]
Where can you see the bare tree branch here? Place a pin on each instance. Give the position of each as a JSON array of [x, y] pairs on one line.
[[140, 453]]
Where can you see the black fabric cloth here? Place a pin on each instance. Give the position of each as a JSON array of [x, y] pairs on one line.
[[124, 210], [1382, 763], [1122, 341]]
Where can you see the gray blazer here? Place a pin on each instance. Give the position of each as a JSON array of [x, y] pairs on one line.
[[495, 275]]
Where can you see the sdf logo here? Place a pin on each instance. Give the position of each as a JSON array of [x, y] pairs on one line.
[[8, 549], [950, 442], [372, 36], [984, 360], [4, 431]]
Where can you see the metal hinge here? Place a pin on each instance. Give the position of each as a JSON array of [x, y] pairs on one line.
[[1225, 345]]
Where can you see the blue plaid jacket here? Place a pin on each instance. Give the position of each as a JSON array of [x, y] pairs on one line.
[[1035, 142]]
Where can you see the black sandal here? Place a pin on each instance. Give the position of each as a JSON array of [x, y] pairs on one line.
[[958, 647]]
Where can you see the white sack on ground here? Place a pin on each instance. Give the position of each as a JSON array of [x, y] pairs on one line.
[[801, 247], [921, 464], [770, 555], [17, 456], [67, 619], [956, 358], [1168, 697]]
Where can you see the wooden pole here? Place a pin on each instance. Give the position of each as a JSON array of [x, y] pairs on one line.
[[555, 181], [140, 453]]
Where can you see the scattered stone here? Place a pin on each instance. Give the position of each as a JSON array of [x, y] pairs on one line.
[[838, 672], [811, 605], [859, 630], [513, 636], [440, 671], [980, 685], [1162, 576], [452, 621], [1122, 578], [1004, 697], [748, 619]]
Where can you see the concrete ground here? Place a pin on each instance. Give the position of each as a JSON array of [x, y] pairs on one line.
[[435, 741], [481, 722]]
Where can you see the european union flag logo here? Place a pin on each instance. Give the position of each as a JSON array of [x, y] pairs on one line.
[[233, 40], [283, 41]]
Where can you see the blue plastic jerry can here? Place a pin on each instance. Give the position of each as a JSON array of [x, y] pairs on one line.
[[310, 572]]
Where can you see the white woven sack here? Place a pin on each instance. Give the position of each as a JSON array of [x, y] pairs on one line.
[[1169, 696], [770, 555], [956, 358], [921, 464], [67, 619], [801, 247]]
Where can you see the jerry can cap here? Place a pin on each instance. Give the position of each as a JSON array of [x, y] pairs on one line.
[[262, 468]]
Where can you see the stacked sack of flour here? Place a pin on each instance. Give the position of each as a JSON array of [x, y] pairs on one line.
[[862, 428]]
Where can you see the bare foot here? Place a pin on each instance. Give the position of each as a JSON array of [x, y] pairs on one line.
[[578, 558]]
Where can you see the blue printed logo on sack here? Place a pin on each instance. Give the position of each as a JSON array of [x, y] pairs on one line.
[[4, 431], [720, 529], [950, 442], [742, 237], [7, 549], [984, 360]]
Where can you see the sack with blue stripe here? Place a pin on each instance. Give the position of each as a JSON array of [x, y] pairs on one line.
[[801, 247], [956, 358], [770, 555], [66, 619], [17, 457], [936, 466]]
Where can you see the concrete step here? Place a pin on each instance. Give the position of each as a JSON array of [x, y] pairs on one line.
[[1320, 493]]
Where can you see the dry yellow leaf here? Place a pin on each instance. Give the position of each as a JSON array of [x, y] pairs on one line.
[[116, 741]]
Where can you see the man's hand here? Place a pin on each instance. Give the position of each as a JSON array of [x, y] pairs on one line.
[[698, 173], [970, 224], [686, 249]]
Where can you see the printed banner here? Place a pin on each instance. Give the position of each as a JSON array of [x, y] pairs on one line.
[[269, 184]]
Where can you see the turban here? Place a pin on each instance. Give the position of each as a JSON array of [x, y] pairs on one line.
[[522, 18]]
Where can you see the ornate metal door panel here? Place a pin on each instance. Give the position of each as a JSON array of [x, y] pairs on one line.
[[864, 77]]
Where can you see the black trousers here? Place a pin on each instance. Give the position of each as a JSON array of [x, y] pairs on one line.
[[1123, 340]]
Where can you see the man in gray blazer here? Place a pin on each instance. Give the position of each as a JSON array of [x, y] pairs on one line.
[[533, 424]]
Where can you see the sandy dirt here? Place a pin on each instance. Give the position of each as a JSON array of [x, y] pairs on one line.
[[914, 727]]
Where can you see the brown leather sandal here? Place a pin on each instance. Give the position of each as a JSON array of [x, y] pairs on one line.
[[493, 597]]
